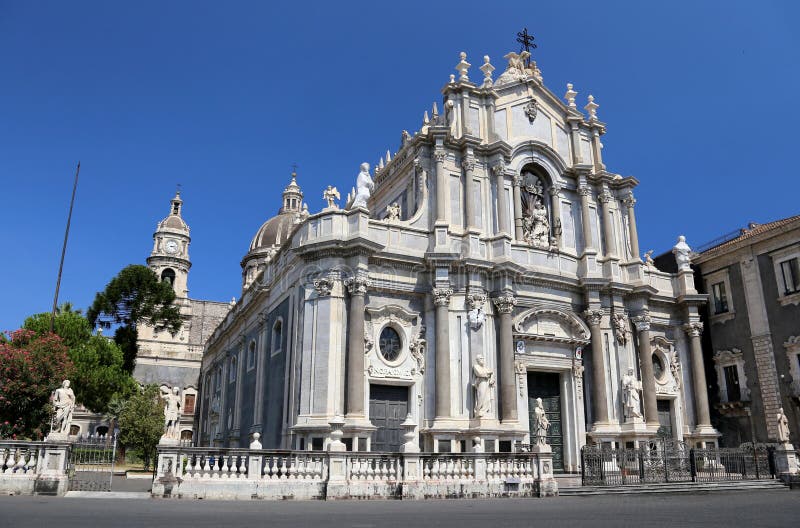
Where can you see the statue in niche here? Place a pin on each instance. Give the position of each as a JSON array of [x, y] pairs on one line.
[[540, 423], [483, 383], [535, 217], [620, 325], [783, 427], [631, 398], [364, 185], [64, 403]]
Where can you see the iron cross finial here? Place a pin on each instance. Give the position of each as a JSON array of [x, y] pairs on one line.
[[526, 39], [294, 169]]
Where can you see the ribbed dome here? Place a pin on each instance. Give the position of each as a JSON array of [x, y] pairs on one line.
[[273, 232], [173, 222]]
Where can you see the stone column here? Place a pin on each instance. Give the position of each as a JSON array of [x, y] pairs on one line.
[[586, 217], [499, 172], [258, 407], [555, 199], [505, 361], [575, 136], [599, 387], [608, 227], [441, 299], [695, 330], [518, 233], [642, 323], [357, 286], [441, 187], [633, 234], [237, 406], [469, 191]]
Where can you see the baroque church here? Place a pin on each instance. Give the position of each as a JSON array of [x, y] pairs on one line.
[[490, 262]]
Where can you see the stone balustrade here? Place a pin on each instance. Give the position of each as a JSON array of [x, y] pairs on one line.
[[219, 473], [30, 468]]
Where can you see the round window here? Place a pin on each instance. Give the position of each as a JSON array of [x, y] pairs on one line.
[[390, 345], [658, 367]]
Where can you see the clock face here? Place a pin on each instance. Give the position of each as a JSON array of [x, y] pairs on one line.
[[171, 246]]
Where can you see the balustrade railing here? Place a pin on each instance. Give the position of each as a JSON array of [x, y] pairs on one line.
[[20, 458]]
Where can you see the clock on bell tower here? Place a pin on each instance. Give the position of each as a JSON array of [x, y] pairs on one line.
[[169, 258]]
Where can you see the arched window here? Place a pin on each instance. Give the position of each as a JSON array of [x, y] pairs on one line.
[[251, 355], [101, 430], [186, 435], [168, 275], [277, 337]]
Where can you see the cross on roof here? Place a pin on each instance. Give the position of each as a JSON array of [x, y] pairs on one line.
[[526, 39], [294, 169]]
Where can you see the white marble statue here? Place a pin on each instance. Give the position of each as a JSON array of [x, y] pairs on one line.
[[364, 186], [393, 212], [620, 324], [483, 383], [631, 398], [256, 444], [64, 403], [172, 412], [682, 253], [540, 423], [537, 225], [648, 260], [783, 427], [330, 195]]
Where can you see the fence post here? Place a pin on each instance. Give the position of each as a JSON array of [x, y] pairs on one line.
[[693, 464], [640, 456], [665, 459], [583, 466], [755, 461]]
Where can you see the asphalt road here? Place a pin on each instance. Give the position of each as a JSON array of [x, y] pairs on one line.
[[728, 509]]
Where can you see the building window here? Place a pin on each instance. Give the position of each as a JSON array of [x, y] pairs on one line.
[[186, 435], [731, 373], [188, 404], [277, 337], [232, 369], [790, 273], [390, 345], [251, 355], [658, 367], [731, 376], [720, 298]]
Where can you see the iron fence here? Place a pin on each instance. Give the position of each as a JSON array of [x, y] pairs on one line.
[[91, 463], [665, 460]]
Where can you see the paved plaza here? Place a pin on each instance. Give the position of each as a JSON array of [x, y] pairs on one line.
[[752, 508]]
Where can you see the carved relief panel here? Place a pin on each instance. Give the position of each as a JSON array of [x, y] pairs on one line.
[[394, 341]]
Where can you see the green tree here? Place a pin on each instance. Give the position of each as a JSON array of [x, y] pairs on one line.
[[135, 296], [141, 423], [99, 372], [31, 368]]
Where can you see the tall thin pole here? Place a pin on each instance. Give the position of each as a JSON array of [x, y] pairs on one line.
[[64, 249]]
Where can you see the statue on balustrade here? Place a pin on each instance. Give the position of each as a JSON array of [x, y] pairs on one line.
[[172, 413], [540, 423], [364, 187], [64, 403]]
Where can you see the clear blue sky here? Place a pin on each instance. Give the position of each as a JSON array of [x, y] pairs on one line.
[[701, 101]]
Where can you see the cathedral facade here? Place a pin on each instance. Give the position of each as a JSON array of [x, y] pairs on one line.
[[492, 261]]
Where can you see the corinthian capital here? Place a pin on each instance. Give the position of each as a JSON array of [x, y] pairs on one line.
[[593, 316], [439, 155], [642, 322], [604, 197], [584, 190], [694, 329], [323, 285], [499, 168], [505, 303], [468, 164], [630, 201], [441, 296], [555, 189], [357, 285]]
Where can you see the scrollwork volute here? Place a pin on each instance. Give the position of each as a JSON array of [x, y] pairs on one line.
[[505, 303], [584, 190], [593, 316], [630, 201], [417, 347], [323, 286], [499, 169], [441, 296], [642, 322], [468, 164], [604, 197], [439, 155]]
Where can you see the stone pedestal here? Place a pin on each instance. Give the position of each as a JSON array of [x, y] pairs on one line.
[[546, 485], [785, 460], [52, 478]]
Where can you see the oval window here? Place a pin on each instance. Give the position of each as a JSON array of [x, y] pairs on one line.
[[390, 345], [658, 367]]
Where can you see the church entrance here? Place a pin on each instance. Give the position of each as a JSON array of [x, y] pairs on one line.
[[547, 386], [388, 407], [664, 417]]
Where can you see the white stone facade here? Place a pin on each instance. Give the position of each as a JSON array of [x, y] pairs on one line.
[[494, 231]]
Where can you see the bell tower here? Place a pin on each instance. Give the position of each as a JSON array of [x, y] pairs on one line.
[[169, 258]]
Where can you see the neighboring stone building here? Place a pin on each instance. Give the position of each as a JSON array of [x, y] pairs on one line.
[[753, 279], [494, 262], [174, 360]]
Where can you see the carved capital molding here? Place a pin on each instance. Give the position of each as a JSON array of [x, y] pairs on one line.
[[499, 169], [555, 190], [439, 155], [593, 317], [260, 319], [642, 322], [630, 201], [476, 300], [441, 296], [516, 181], [357, 285], [468, 164], [693, 329], [505, 303], [604, 197], [323, 286], [584, 190]]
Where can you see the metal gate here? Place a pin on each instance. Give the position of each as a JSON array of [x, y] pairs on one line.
[[91, 463], [666, 460]]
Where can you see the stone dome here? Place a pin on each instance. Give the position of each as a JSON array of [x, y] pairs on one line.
[[273, 232]]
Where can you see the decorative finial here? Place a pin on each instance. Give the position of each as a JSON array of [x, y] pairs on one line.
[[435, 110], [380, 163], [452, 78], [526, 41], [463, 68], [388, 156], [425, 118], [487, 70], [570, 96], [591, 107]]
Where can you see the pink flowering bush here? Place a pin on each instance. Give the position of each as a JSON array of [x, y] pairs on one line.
[[31, 368]]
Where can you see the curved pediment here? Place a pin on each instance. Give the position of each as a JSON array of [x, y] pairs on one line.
[[549, 324]]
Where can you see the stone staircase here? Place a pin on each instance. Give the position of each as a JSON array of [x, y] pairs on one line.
[[569, 489]]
